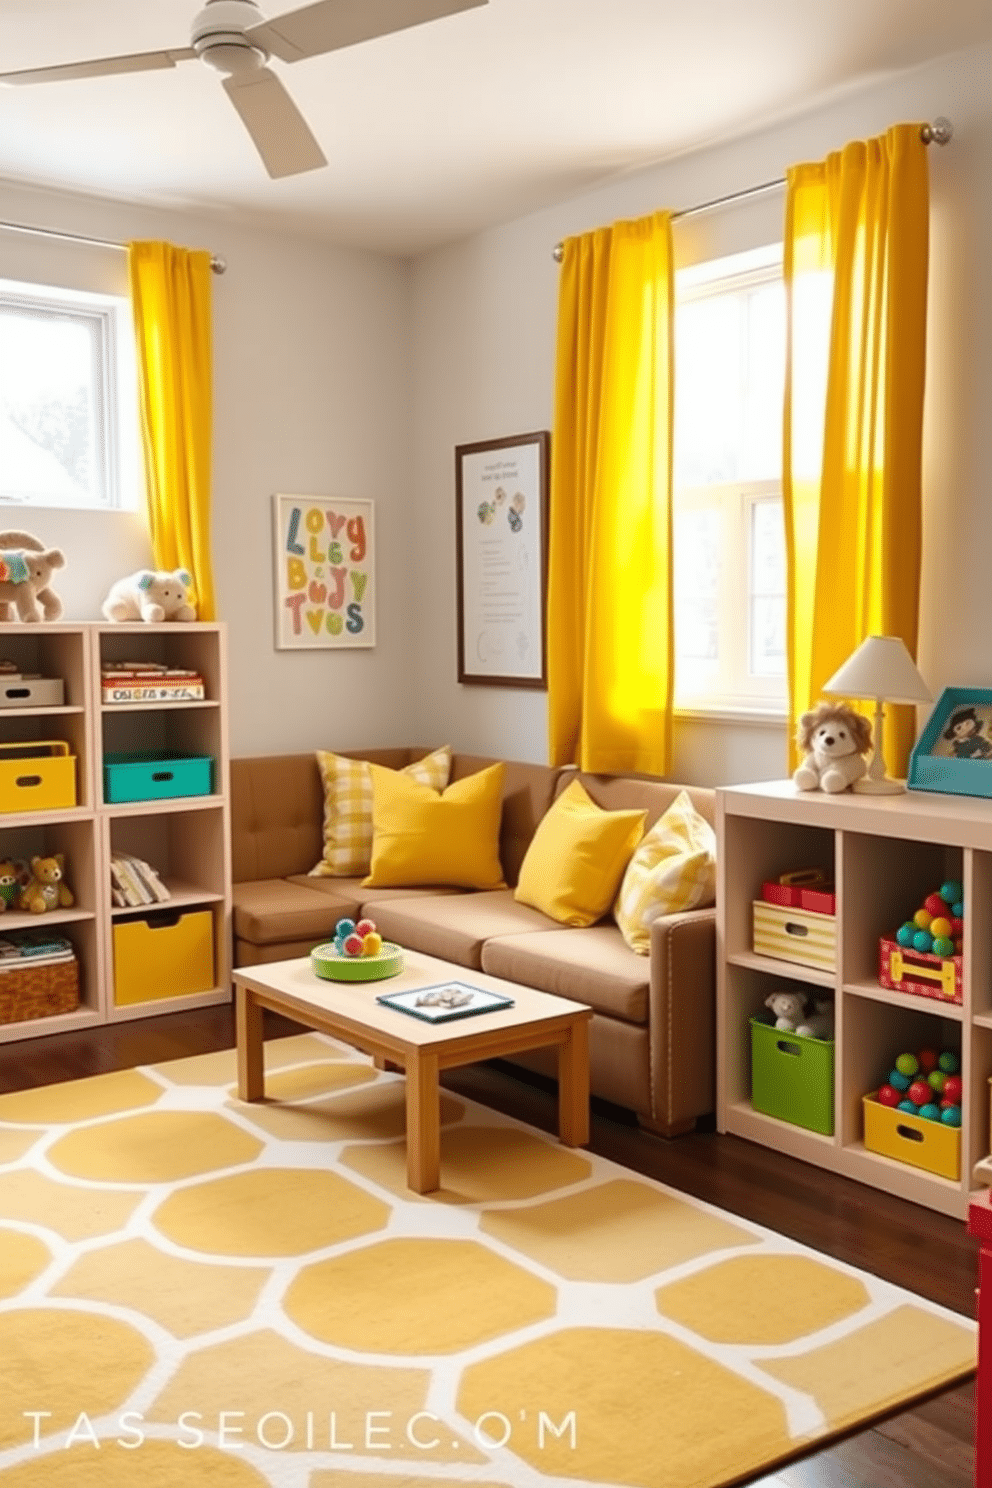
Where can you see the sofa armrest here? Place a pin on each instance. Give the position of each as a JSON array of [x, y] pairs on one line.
[[682, 1019]]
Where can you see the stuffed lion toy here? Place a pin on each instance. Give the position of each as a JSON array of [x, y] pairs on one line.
[[835, 741]]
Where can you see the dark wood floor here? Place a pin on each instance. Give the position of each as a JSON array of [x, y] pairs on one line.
[[930, 1446]]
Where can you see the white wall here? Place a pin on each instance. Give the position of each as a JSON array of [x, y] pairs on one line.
[[311, 396], [484, 315]]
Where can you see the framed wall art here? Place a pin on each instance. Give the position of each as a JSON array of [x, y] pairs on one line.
[[501, 528], [324, 572], [954, 751]]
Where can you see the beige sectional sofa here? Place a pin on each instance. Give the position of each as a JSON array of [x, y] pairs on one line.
[[652, 1033]]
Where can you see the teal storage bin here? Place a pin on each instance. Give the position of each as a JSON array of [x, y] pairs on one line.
[[155, 777], [792, 1077]]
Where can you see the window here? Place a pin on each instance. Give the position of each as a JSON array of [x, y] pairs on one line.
[[68, 399], [729, 542]]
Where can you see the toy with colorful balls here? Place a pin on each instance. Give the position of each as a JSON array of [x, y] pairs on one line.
[[357, 938], [937, 927], [925, 1084]]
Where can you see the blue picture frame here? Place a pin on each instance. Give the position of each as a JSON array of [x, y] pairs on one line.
[[942, 771]]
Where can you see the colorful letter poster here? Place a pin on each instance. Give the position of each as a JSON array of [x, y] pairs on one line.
[[325, 572]]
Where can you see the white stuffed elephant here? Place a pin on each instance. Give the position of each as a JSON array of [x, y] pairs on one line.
[[151, 595]]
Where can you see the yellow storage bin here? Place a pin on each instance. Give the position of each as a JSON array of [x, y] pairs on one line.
[[912, 1139], [798, 935], [163, 954], [37, 777]]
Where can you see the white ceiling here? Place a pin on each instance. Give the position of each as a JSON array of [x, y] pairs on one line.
[[438, 131]]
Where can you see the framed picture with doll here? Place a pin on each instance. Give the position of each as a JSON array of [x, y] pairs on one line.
[[954, 751]]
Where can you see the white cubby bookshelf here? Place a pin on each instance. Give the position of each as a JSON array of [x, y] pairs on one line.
[[186, 838], [886, 854]]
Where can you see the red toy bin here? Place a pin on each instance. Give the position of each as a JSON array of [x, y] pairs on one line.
[[821, 901], [920, 973], [804, 888]]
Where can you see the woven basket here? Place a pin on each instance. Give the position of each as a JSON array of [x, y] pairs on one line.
[[38, 991]]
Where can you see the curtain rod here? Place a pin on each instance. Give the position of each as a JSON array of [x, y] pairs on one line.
[[939, 132], [217, 263]]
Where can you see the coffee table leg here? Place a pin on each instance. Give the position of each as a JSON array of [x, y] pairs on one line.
[[573, 1085], [251, 1069], [423, 1123]]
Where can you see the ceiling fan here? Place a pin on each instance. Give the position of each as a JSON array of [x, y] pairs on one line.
[[233, 37]]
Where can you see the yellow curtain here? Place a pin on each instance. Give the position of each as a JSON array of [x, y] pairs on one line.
[[856, 254], [170, 296], [610, 651]]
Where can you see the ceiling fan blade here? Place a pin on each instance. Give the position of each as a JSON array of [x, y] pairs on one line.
[[281, 134], [330, 24], [100, 67]]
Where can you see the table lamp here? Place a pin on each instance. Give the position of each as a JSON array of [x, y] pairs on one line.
[[882, 669]]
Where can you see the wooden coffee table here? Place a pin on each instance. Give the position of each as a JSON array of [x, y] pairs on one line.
[[350, 1011]]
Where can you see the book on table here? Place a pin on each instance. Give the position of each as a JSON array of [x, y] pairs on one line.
[[444, 1001]]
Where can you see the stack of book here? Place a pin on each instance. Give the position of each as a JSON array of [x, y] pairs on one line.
[[19, 948], [133, 881], [149, 682]]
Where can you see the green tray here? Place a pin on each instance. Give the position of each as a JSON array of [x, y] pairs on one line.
[[328, 963]]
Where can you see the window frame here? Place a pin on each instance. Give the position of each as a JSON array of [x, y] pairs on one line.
[[762, 697], [113, 389]]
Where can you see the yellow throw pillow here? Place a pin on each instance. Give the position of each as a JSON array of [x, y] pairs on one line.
[[673, 869], [348, 807], [577, 857], [424, 836]]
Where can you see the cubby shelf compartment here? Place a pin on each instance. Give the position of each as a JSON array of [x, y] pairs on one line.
[[886, 853], [189, 835]]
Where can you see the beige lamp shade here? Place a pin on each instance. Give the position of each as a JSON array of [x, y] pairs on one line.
[[880, 668]]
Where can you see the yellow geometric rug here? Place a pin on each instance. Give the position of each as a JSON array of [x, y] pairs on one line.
[[199, 1292]]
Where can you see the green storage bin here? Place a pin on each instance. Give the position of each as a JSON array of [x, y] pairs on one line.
[[792, 1077], [155, 777]]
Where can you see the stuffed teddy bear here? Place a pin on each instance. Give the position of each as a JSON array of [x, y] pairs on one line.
[[45, 888], [789, 1008], [835, 740], [10, 884], [151, 595], [25, 571], [819, 1024]]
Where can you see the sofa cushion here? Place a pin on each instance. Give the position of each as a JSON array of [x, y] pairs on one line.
[[528, 791], [642, 793], [673, 869], [351, 891], [347, 785], [424, 836], [575, 863], [269, 910], [276, 810], [457, 926], [591, 965]]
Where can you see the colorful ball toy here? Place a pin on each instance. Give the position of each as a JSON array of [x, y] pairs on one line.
[[925, 1084], [362, 939], [937, 926]]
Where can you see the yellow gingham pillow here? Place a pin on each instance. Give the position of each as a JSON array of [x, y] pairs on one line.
[[674, 868], [348, 808]]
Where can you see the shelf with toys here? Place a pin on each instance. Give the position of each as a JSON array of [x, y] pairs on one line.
[[886, 860], [143, 775]]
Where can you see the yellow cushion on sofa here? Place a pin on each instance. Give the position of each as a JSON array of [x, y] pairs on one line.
[[577, 857], [423, 836], [348, 807], [673, 869]]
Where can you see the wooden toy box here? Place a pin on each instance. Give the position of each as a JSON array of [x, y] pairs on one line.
[[920, 973], [797, 935]]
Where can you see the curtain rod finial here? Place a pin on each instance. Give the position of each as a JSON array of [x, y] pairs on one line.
[[218, 264], [558, 252], [940, 132]]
